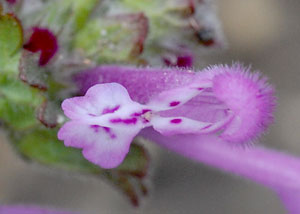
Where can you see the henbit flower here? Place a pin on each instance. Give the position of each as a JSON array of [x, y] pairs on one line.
[[104, 121], [44, 41], [278, 171], [229, 102]]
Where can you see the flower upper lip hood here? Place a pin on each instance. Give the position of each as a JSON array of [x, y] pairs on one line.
[[249, 96]]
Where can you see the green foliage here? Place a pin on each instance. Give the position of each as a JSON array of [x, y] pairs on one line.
[[11, 38], [17, 100], [82, 11], [19, 117], [110, 39], [12, 89], [42, 145]]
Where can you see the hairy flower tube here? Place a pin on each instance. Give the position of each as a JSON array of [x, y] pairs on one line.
[[232, 93], [228, 102]]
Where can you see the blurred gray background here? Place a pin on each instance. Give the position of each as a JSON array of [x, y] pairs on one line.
[[263, 33]]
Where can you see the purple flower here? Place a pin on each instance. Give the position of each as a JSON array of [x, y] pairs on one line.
[[229, 102], [223, 101], [241, 102]]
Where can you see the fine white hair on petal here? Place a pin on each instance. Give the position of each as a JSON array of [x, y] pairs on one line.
[[248, 95]]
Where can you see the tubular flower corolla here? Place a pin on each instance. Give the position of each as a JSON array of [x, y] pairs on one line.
[[228, 102]]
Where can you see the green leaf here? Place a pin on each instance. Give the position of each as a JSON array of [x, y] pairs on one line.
[[43, 146], [18, 92], [64, 17], [82, 11], [19, 117], [11, 39], [113, 39], [143, 5], [18, 102]]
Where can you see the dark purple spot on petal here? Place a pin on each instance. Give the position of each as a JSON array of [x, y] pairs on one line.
[[95, 128], [93, 115], [145, 111], [206, 127], [174, 103], [200, 89], [116, 120], [110, 110], [125, 121], [108, 131], [176, 121], [137, 114]]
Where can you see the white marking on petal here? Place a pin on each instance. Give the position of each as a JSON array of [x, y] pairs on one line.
[[183, 125], [111, 147], [176, 97], [177, 125]]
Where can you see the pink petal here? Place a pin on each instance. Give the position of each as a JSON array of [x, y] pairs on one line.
[[111, 147], [77, 134], [106, 147], [99, 100]]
